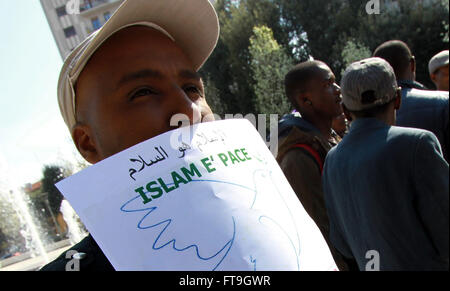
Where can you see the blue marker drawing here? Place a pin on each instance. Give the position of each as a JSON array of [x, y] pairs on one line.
[[253, 261], [269, 189], [260, 178], [226, 248]]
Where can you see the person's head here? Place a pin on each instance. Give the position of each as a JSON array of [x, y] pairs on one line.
[[339, 124], [399, 56], [370, 90], [438, 69], [124, 83], [311, 87]]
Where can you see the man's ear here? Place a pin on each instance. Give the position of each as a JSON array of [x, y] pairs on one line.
[[303, 99], [433, 77], [84, 141], [398, 99], [413, 64]]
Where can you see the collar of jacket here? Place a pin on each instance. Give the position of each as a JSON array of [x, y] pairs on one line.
[[411, 84], [366, 124], [304, 133]]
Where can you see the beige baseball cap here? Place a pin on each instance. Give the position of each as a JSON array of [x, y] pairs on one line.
[[192, 24], [368, 83], [438, 61]]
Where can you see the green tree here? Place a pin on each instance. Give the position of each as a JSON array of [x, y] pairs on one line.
[[445, 4], [269, 65], [213, 97], [331, 24], [418, 23], [354, 51], [334, 31], [52, 174], [229, 67]]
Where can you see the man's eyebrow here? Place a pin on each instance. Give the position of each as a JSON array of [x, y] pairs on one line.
[[187, 74], [147, 73], [330, 77]]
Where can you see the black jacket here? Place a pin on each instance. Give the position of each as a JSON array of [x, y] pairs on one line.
[[90, 254]]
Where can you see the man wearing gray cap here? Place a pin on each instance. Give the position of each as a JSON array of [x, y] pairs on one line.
[[123, 84], [421, 108], [438, 68], [386, 188]]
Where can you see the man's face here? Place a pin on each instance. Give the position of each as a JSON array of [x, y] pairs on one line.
[[340, 124], [324, 93], [440, 78], [130, 89]]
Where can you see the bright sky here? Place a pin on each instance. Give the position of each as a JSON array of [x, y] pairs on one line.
[[32, 131]]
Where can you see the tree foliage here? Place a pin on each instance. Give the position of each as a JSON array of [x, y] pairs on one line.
[[445, 4], [334, 31], [228, 70], [52, 174], [352, 52], [331, 24], [269, 65]]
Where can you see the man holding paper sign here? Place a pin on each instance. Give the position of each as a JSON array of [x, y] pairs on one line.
[[212, 198]]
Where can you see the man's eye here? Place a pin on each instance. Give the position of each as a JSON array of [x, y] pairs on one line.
[[191, 89], [143, 92]]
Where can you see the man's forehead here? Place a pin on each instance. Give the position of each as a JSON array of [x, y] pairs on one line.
[[321, 72], [122, 41], [131, 54], [324, 71], [131, 45]]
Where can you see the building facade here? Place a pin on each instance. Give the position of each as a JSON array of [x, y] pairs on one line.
[[71, 21]]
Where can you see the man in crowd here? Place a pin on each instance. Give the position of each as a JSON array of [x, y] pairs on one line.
[[340, 125], [307, 136], [438, 69], [420, 108], [123, 84], [386, 188]]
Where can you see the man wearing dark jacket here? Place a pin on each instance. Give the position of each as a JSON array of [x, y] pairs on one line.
[[306, 136], [386, 188], [420, 108], [125, 82]]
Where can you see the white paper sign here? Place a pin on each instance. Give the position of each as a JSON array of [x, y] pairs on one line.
[[206, 197]]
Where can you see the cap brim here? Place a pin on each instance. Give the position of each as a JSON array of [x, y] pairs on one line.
[[193, 25], [438, 61]]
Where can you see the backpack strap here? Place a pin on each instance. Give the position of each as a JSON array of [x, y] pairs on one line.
[[313, 153]]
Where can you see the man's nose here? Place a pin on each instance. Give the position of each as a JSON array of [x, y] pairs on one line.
[[184, 111], [337, 88]]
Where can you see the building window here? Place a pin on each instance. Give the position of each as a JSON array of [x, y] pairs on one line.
[[96, 23], [107, 15], [61, 11], [69, 31]]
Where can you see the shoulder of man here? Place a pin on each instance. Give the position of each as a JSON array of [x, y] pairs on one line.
[[428, 137], [400, 133], [398, 138], [87, 254], [437, 97], [424, 109], [294, 131], [300, 145], [405, 140]]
